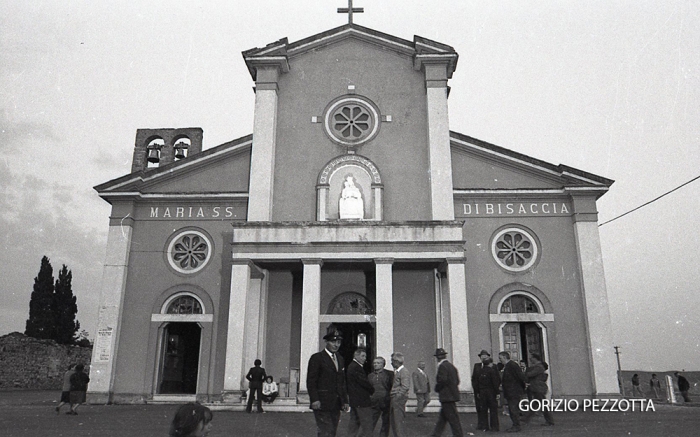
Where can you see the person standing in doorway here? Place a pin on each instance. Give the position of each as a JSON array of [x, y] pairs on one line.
[[360, 391], [382, 381], [399, 395], [513, 382], [421, 387], [325, 381], [256, 375], [447, 387]]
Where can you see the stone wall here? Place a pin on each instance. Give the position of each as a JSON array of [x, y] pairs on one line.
[[30, 363]]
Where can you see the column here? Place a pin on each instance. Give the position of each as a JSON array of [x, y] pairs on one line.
[[262, 159], [253, 324], [310, 310], [441, 191], [235, 339], [595, 295], [384, 308], [112, 290], [458, 316]]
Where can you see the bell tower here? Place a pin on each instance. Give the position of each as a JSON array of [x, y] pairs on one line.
[[163, 146]]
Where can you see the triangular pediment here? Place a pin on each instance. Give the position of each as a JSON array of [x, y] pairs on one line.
[[478, 165], [420, 49], [221, 171]]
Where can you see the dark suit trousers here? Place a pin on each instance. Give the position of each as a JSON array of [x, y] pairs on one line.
[[485, 404], [480, 424], [547, 414], [360, 422], [384, 413], [254, 392], [326, 422], [448, 414], [514, 410]]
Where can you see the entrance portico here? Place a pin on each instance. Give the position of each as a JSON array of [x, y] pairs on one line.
[[375, 252]]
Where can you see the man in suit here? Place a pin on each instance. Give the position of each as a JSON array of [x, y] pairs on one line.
[[399, 395], [256, 375], [487, 385], [382, 381], [421, 387], [513, 382], [483, 356], [325, 381], [359, 392], [447, 387]]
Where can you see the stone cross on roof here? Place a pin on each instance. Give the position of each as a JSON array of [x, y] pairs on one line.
[[349, 10]]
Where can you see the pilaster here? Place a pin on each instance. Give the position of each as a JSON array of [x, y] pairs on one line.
[[384, 307], [235, 340], [458, 314], [310, 310]]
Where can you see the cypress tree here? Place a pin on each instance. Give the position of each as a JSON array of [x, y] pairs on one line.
[[64, 308], [41, 322]]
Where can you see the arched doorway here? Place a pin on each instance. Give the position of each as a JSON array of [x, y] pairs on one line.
[[521, 338], [356, 333]]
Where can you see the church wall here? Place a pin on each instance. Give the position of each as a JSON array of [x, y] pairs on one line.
[[400, 149], [149, 276], [336, 282], [556, 276], [471, 171], [415, 318]]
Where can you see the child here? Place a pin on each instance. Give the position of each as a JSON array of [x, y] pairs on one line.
[[191, 420]]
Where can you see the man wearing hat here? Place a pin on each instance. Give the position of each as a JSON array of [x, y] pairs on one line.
[[447, 387], [325, 381], [483, 356]]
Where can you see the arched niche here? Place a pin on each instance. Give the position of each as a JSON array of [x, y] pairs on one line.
[[356, 174]]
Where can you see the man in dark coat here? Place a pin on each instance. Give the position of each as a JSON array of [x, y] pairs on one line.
[[256, 375], [537, 384], [483, 356], [325, 381], [683, 386], [513, 382], [447, 387], [382, 380], [359, 392], [487, 384]]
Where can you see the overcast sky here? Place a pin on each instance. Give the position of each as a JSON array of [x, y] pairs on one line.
[[612, 88]]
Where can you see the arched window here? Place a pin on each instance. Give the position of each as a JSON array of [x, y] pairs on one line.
[[519, 303], [184, 305]]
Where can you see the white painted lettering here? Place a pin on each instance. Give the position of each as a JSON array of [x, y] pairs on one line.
[[564, 209], [499, 209], [216, 211], [167, 212], [200, 213], [489, 208], [229, 211], [154, 212], [179, 212], [509, 208], [546, 211], [467, 209], [190, 212], [533, 208], [522, 209]]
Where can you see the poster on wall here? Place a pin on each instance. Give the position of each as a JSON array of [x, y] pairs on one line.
[[103, 344]]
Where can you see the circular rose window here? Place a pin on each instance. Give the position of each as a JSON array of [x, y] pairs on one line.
[[514, 249], [189, 251], [351, 121]]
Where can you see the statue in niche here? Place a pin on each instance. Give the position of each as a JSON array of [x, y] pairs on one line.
[[351, 205]]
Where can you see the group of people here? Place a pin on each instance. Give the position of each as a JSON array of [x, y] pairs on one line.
[[75, 382], [262, 387], [381, 394], [508, 377], [655, 386]]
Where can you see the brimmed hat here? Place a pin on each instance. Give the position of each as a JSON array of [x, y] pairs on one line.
[[484, 352], [333, 334], [440, 351]]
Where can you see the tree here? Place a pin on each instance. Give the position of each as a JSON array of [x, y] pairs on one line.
[[41, 322], [64, 308]]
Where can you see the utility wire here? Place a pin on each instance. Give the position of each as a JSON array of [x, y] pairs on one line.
[[651, 201]]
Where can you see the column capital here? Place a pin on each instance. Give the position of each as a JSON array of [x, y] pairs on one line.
[[384, 260], [457, 260], [312, 261]]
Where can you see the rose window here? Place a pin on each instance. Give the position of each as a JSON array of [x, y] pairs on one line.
[[514, 249], [351, 121], [189, 252]]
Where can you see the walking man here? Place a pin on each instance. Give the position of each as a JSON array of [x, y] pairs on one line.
[[399, 395], [359, 392], [537, 383], [513, 382], [447, 387], [421, 387], [65, 393], [325, 381], [256, 375], [382, 381], [78, 387], [683, 386]]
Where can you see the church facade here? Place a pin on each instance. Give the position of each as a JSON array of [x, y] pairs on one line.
[[351, 204]]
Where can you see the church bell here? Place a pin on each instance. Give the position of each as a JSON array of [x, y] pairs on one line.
[[180, 150], [153, 155]]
